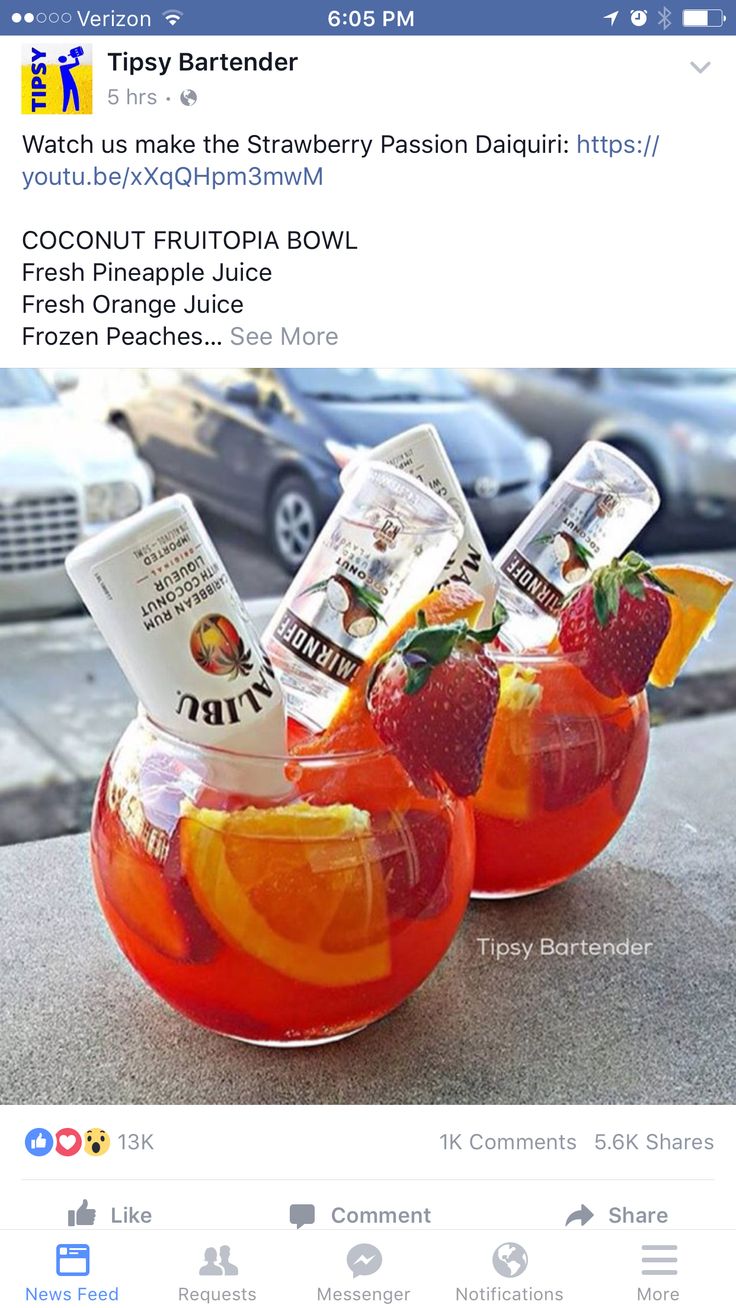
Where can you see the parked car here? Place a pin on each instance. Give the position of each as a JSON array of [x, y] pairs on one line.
[[61, 480], [265, 446], [679, 424]]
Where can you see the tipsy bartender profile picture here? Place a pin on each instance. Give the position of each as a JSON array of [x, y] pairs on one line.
[[56, 78]]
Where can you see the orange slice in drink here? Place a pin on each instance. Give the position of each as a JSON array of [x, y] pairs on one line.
[[135, 888], [698, 594], [351, 729], [299, 887], [506, 786]]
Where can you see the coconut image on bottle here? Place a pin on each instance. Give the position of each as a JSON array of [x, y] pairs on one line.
[[359, 609]]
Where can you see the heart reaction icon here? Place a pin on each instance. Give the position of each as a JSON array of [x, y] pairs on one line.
[[68, 1142]]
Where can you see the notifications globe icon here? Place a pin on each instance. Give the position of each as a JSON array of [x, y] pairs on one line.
[[510, 1260]]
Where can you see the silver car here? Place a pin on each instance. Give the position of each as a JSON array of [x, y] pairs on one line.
[[61, 479], [679, 424]]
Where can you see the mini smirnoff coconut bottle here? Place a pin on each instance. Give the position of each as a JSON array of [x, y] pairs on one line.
[[382, 549], [159, 593], [589, 515], [420, 452]]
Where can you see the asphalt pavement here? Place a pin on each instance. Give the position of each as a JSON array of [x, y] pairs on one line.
[[64, 701]]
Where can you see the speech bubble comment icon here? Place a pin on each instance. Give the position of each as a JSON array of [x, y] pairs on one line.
[[364, 1259], [301, 1215]]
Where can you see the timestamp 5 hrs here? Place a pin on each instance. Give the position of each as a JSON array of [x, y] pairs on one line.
[[396, 19]]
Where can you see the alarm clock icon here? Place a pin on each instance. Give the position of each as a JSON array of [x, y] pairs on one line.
[[638, 17]]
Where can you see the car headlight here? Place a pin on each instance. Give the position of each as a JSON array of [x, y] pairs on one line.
[[690, 438], [343, 454], [540, 453], [109, 501]]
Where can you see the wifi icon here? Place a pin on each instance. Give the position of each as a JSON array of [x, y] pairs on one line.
[[172, 16]]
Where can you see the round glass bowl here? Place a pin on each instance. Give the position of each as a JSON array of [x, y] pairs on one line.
[[291, 919], [563, 768]]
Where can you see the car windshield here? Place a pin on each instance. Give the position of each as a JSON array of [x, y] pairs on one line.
[[377, 385], [23, 387], [679, 376]]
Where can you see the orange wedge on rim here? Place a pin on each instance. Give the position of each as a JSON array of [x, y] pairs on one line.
[[351, 729], [698, 594]]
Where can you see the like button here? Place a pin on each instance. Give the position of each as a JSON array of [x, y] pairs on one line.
[[84, 1216]]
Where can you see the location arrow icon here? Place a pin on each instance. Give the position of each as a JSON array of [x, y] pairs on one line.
[[583, 1216]]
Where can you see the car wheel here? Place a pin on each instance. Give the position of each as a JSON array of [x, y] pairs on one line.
[[292, 521], [643, 461]]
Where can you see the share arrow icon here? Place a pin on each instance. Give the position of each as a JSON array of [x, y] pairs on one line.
[[583, 1216]]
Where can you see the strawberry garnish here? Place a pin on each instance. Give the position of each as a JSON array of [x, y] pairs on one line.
[[433, 701], [618, 620]]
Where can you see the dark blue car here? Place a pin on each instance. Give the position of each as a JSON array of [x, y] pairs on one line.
[[265, 446]]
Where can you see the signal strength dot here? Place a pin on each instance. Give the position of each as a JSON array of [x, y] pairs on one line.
[[172, 16]]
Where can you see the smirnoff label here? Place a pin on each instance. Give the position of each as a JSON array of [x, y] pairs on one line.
[[380, 551], [529, 580], [559, 547], [312, 647], [337, 604]]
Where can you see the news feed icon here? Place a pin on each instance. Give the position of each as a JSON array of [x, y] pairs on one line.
[[56, 78], [72, 1260]]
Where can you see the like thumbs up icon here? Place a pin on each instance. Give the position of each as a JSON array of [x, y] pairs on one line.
[[84, 1216]]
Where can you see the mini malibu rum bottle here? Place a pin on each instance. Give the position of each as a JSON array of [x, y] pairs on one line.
[[589, 515], [420, 452], [159, 593], [382, 549]]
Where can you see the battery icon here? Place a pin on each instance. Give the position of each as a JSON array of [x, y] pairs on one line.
[[703, 18]]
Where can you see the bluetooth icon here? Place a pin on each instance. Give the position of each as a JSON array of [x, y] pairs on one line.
[[664, 18]]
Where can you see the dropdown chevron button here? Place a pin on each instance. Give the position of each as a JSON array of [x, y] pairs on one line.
[[699, 68]]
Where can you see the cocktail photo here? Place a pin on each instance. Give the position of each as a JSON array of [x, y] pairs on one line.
[[390, 704]]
